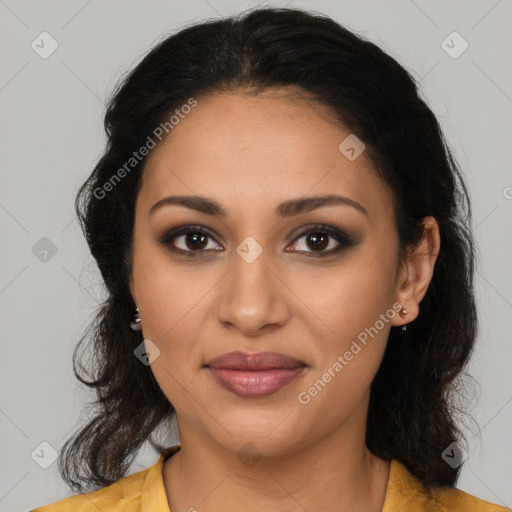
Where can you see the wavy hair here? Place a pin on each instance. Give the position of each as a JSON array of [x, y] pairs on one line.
[[414, 396]]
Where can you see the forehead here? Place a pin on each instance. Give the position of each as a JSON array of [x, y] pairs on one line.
[[252, 151]]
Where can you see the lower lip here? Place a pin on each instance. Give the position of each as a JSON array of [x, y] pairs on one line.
[[255, 383]]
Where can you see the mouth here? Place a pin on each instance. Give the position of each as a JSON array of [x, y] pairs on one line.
[[255, 375]]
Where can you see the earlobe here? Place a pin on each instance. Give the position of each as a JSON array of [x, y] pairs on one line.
[[418, 269]]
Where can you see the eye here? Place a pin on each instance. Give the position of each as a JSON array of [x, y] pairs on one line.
[[320, 237], [193, 239]]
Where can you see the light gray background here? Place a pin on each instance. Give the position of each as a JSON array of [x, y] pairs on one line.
[[52, 135]]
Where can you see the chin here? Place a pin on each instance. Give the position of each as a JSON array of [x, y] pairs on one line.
[[267, 441]]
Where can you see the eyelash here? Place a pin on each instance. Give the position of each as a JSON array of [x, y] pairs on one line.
[[342, 238]]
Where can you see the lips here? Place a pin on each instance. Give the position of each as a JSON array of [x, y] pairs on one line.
[[255, 375], [257, 361]]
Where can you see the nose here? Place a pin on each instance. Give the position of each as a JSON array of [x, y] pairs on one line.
[[252, 298]]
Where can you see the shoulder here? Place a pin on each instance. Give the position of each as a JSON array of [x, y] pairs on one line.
[[406, 493], [125, 494]]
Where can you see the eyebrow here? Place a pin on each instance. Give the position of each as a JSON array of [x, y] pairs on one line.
[[285, 209]]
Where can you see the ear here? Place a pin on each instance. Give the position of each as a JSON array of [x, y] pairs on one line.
[[417, 271]]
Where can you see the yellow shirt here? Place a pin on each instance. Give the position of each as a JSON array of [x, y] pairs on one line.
[[144, 492]]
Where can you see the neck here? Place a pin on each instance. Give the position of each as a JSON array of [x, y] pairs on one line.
[[336, 472]]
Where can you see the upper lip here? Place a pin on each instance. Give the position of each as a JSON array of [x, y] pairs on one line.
[[256, 361]]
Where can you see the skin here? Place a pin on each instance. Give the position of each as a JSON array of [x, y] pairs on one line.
[[250, 153]]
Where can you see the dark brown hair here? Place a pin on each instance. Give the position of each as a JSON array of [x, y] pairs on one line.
[[414, 395]]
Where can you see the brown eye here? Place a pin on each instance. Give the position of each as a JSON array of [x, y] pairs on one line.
[[195, 240], [188, 240], [319, 241], [318, 238]]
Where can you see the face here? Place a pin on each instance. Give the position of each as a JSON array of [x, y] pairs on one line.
[[254, 280]]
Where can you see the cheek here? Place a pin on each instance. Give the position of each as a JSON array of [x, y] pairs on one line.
[[167, 293], [355, 302], [170, 305], [172, 302], [351, 296], [169, 300], [357, 308]]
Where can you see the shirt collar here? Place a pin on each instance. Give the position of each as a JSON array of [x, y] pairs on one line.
[[153, 497], [402, 490]]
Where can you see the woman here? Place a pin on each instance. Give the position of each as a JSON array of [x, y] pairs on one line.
[[284, 238]]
